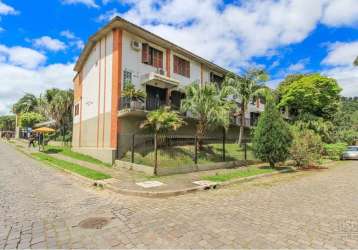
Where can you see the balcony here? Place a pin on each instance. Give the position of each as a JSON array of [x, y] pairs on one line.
[[158, 79], [139, 108]]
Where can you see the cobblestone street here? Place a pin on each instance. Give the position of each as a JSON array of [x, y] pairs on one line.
[[41, 207]]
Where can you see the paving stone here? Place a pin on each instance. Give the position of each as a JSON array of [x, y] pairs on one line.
[[300, 210]]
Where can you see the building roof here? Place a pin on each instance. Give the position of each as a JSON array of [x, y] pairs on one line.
[[118, 22]]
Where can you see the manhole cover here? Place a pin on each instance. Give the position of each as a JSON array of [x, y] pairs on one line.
[[94, 223]]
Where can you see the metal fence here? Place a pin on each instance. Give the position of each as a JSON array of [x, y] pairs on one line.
[[182, 150]]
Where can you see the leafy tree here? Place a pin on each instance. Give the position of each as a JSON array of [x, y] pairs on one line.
[[160, 121], [272, 137], [356, 61], [313, 94], [306, 148], [244, 89], [45, 100], [7, 122], [209, 105], [29, 119]]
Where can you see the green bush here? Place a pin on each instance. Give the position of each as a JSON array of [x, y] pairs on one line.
[[334, 151], [307, 147], [272, 137]]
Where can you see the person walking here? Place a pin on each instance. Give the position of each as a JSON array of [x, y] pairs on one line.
[[32, 140]]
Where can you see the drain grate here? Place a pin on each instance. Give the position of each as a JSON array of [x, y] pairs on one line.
[[94, 223]]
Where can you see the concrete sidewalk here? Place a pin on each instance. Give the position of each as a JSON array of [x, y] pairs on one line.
[[132, 183]]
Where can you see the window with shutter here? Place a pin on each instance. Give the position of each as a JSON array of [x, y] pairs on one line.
[[181, 66], [152, 56], [145, 53]]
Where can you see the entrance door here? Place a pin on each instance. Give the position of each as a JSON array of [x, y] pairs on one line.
[[155, 97]]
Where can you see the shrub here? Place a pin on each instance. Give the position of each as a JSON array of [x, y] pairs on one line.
[[334, 151], [272, 137], [306, 148]]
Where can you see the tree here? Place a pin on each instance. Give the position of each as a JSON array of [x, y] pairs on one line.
[[44, 101], [27, 103], [208, 105], [7, 122], [313, 94], [244, 89], [356, 61], [132, 93], [160, 121], [272, 137], [60, 110], [29, 119]]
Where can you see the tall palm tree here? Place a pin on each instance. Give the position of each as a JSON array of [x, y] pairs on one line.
[[209, 106], [244, 89], [25, 104], [60, 109], [162, 120]]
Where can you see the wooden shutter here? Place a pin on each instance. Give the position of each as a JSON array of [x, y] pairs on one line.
[[160, 59], [145, 53], [176, 65]]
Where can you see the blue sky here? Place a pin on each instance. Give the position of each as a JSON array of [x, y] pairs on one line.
[[40, 40]]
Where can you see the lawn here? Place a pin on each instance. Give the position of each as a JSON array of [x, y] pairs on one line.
[[239, 173], [68, 152], [178, 156], [61, 164]]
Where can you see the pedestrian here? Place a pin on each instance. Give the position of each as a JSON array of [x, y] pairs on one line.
[[32, 140]]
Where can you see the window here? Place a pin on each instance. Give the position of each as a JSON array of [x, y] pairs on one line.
[[127, 77], [181, 66], [152, 56], [77, 109], [216, 79]]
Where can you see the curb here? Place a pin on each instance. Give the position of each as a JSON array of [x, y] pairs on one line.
[[165, 194]]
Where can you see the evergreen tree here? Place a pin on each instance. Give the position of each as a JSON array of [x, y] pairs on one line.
[[272, 137]]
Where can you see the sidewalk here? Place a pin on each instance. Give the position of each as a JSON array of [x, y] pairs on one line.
[[129, 182]]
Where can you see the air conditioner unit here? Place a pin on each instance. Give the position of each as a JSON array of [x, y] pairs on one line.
[[135, 45]]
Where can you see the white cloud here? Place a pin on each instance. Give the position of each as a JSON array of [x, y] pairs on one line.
[[341, 13], [7, 9], [88, 3], [48, 43], [339, 65], [108, 15], [16, 80], [233, 34], [341, 53], [23, 70], [21, 56], [73, 40]]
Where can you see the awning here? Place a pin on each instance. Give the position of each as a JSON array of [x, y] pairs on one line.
[[158, 80]]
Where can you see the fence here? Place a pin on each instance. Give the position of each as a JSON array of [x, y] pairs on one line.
[[181, 150]]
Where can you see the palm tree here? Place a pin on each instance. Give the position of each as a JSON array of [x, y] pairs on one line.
[[244, 88], [209, 106], [133, 94], [162, 120], [356, 61], [27, 103], [60, 109]]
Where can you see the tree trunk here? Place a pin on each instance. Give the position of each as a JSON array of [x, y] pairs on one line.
[[272, 165], [155, 154], [242, 124], [200, 131]]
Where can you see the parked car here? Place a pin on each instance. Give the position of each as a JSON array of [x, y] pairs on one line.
[[351, 153]]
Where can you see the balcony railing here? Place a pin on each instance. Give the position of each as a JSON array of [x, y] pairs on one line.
[[135, 105]]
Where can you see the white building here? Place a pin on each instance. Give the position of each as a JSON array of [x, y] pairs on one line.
[[119, 53]]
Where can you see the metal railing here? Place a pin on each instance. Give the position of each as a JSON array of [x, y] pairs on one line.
[[182, 150]]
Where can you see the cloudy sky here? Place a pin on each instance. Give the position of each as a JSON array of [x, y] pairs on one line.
[[40, 40]]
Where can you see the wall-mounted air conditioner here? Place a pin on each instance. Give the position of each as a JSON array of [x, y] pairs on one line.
[[135, 45]]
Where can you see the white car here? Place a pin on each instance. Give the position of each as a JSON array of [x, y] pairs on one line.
[[351, 153]]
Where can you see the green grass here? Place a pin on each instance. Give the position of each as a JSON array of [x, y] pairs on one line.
[[61, 164], [68, 152], [179, 156], [240, 173]]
